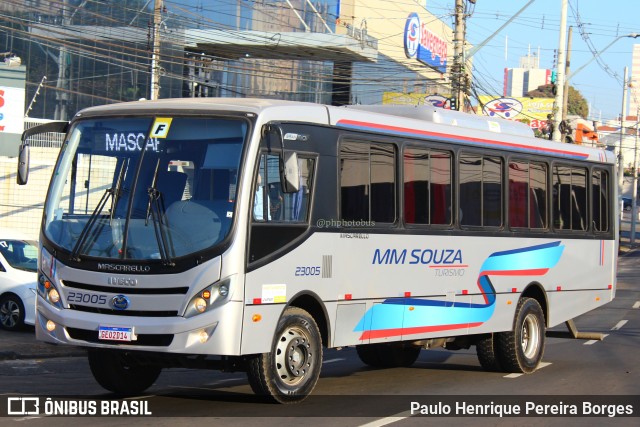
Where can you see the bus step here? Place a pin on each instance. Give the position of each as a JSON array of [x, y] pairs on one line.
[[574, 333]]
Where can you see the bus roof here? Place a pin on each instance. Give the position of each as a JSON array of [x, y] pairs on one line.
[[425, 122]]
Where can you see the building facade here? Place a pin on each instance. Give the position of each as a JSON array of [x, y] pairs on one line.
[[326, 51], [79, 53]]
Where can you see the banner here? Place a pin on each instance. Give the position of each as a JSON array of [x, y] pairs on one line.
[[532, 111], [399, 98], [12, 110]]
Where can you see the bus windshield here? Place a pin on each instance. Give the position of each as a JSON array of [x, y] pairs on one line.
[[118, 193]]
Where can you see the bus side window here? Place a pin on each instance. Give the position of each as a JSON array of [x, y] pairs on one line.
[[270, 203], [427, 186], [569, 198], [600, 189]]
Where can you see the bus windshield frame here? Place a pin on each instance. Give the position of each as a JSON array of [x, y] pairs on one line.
[[144, 188]]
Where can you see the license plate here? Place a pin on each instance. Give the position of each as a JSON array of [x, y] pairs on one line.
[[109, 333]]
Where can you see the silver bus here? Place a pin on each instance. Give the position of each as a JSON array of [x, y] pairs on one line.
[[248, 234]]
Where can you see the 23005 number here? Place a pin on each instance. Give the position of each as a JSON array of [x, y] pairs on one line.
[[86, 298], [307, 271]]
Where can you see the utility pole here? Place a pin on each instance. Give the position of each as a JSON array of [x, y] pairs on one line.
[[155, 50], [64, 71], [622, 117], [458, 54], [634, 184], [559, 102], [565, 98]]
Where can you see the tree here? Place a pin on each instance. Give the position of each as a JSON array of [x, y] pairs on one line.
[[576, 104]]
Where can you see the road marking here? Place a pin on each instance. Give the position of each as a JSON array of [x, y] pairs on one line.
[[388, 420], [592, 342], [147, 396], [540, 366], [636, 305], [190, 388], [224, 381], [619, 325], [513, 375], [332, 360]]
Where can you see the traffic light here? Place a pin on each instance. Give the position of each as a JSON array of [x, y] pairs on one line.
[[453, 103], [554, 77]]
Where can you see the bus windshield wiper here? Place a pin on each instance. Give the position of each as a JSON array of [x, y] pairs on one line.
[[80, 245], [117, 189], [156, 209]]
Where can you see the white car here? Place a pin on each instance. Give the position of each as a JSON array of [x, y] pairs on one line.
[[18, 276]]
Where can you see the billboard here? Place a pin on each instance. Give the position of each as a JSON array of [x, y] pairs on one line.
[[424, 45], [399, 98], [11, 110], [533, 111]]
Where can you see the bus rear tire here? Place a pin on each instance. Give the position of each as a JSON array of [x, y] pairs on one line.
[[486, 349], [116, 372], [399, 355], [521, 350], [289, 373]]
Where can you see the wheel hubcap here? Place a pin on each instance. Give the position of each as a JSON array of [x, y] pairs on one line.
[[530, 336], [293, 355], [9, 314]]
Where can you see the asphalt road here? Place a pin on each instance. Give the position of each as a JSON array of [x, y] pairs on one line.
[[351, 394]]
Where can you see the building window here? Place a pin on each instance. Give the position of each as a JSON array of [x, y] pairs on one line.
[[427, 186], [367, 182], [480, 190], [527, 195]]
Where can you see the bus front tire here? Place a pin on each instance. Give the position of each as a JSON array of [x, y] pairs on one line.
[[521, 350], [398, 355], [289, 373], [115, 372]]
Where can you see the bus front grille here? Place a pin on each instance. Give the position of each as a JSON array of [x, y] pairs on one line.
[[182, 290], [139, 313], [152, 340]]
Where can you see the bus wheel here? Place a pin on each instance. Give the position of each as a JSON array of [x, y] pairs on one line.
[[290, 371], [400, 355], [118, 374], [368, 354], [521, 350], [487, 352]]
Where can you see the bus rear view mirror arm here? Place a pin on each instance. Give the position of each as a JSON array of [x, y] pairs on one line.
[[22, 175]]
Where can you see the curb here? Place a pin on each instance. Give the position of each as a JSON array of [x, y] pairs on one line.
[[12, 355]]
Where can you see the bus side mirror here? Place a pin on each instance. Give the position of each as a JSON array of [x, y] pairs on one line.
[[23, 165], [289, 172]]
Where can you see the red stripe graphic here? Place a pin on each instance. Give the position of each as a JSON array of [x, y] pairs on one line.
[[385, 333]]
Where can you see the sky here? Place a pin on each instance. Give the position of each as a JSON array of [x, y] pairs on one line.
[[596, 24]]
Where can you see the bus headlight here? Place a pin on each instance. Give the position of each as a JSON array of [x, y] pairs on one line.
[[54, 296], [207, 298], [46, 287], [200, 305], [223, 289], [47, 290]]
